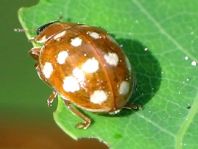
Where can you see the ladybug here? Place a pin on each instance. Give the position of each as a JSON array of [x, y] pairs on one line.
[[85, 66]]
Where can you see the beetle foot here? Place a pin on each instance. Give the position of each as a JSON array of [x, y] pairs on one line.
[[83, 125], [51, 98], [133, 106]]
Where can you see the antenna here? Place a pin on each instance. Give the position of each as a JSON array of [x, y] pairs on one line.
[[20, 30]]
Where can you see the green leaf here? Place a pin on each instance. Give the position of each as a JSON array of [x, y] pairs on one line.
[[161, 40]]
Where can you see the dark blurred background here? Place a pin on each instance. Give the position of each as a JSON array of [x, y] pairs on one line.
[[25, 119]]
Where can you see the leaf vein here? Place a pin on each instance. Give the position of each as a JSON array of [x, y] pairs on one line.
[[186, 123], [162, 30], [156, 125]]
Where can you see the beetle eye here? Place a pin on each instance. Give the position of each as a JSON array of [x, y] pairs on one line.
[[41, 28]]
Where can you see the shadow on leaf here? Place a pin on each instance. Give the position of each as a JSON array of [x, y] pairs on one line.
[[147, 72]]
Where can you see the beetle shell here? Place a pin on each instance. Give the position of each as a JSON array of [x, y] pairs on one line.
[[85, 66]]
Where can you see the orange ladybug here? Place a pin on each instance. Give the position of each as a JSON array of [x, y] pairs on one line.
[[85, 66]]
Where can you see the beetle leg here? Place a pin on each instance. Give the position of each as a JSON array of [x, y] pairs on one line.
[[133, 106], [35, 52], [51, 98], [86, 120]]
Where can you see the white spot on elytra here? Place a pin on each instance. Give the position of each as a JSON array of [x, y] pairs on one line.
[[90, 66], [111, 59], [47, 69], [94, 35], [78, 74], [62, 56], [98, 97], [193, 63], [186, 57], [70, 84], [124, 88], [145, 49], [59, 35], [75, 81], [77, 41]]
